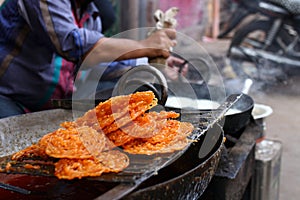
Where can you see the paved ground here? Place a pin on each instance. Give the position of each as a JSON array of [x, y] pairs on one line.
[[283, 125]]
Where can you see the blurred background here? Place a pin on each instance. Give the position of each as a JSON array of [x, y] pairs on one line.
[[204, 20]]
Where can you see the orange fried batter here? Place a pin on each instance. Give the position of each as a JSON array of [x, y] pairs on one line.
[[77, 168], [35, 150], [79, 142], [111, 161], [119, 110], [68, 125], [31, 151], [119, 137], [144, 126], [172, 137]]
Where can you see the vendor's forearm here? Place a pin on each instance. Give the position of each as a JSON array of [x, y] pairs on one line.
[[113, 49]]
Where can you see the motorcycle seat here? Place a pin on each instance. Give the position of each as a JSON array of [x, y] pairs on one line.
[[292, 6]]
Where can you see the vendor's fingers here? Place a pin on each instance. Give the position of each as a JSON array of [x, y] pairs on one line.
[[185, 70], [171, 33], [172, 73], [168, 38], [174, 43], [176, 60], [173, 61], [161, 43]]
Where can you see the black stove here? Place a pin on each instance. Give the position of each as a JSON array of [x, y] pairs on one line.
[[233, 177]]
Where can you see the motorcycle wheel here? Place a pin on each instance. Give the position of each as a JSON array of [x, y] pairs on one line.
[[252, 35]]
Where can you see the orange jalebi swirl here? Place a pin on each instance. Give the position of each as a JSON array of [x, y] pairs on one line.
[[144, 126], [110, 161], [172, 137], [75, 143], [34, 150], [146, 119], [118, 110]]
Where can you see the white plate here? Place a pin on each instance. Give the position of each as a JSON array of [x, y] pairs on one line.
[[261, 111]]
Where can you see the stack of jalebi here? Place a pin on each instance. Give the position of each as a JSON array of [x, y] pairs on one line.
[[87, 146]]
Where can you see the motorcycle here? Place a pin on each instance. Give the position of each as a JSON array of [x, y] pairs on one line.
[[273, 36]]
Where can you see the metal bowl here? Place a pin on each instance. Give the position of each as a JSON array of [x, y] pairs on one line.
[[236, 122]]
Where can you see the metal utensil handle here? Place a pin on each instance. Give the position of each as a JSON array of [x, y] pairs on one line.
[[247, 85], [124, 81], [214, 117], [14, 188]]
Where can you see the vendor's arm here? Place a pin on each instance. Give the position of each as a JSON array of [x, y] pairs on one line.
[[110, 49]]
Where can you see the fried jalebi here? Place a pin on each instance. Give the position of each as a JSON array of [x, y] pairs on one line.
[[68, 125], [34, 150], [120, 110], [144, 126], [180, 141], [172, 137], [77, 168], [111, 161], [75, 143]]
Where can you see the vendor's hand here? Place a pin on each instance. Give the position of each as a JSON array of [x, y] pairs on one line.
[[160, 42], [172, 70]]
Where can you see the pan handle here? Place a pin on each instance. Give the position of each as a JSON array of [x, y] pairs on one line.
[[14, 188], [126, 80]]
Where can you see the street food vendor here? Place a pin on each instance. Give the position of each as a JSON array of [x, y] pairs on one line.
[[43, 42]]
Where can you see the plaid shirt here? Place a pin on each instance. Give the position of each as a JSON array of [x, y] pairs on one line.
[[40, 40]]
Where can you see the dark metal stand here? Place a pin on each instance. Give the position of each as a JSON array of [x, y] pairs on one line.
[[232, 180]]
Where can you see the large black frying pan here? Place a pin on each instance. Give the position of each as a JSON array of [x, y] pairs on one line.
[[19, 132], [235, 123], [186, 177]]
